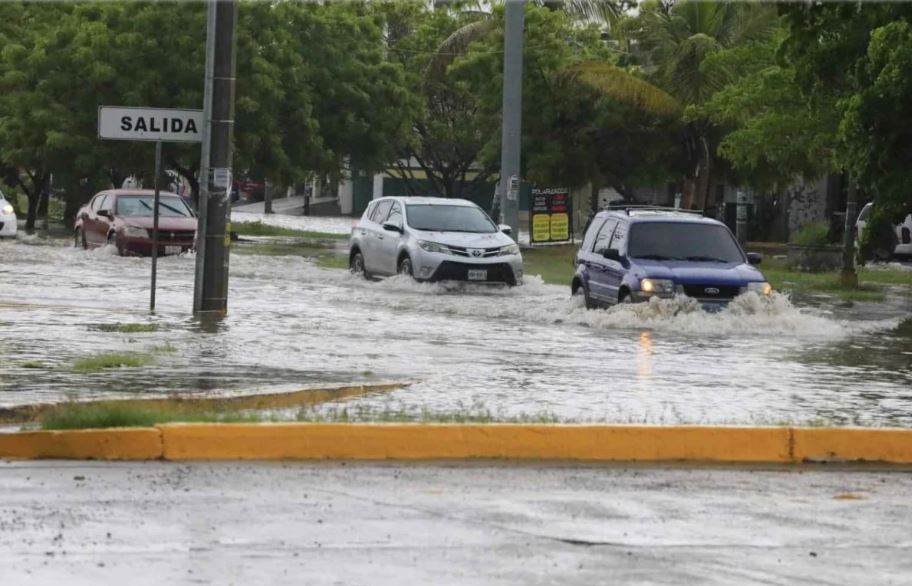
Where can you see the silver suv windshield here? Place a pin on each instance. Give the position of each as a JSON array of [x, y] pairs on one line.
[[683, 241], [447, 218]]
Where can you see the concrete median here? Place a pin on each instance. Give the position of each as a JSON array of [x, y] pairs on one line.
[[365, 441]]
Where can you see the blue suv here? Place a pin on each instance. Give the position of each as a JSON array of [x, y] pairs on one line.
[[632, 254]]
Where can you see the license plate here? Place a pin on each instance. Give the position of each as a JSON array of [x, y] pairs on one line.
[[172, 250], [477, 275]]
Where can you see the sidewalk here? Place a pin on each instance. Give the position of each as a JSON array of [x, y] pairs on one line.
[[337, 523]]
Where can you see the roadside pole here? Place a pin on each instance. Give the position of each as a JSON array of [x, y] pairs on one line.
[[514, 16], [211, 294], [157, 184], [848, 277], [741, 222], [203, 204], [267, 197]]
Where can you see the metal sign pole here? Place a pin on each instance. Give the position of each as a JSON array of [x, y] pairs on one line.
[[158, 157]]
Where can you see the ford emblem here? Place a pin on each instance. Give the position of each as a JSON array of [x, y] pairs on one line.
[[711, 291]]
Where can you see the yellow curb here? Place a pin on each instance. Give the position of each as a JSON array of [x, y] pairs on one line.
[[429, 442], [852, 445], [308, 441], [89, 444]]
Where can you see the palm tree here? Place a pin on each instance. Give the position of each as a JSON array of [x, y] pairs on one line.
[[675, 39]]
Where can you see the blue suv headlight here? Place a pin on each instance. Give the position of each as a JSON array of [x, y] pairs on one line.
[[760, 288], [660, 286]]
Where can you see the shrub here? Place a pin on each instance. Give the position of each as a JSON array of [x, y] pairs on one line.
[[814, 234]]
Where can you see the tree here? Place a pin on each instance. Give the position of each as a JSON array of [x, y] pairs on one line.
[[858, 55], [776, 135], [313, 89], [584, 119], [676, 38]]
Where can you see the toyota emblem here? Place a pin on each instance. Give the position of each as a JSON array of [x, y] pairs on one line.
[[711, 291], [477, 252]]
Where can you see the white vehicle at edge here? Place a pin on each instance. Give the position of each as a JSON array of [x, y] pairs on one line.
[[903, 234], [433, 239], [8, 218]]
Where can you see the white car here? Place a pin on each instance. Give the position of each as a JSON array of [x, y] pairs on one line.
[[433, 239], [903, 232], [8, 224]]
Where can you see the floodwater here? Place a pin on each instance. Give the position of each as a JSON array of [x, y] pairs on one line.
[[529, 350]]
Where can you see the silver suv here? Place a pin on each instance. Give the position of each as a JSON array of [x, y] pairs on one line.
[[433, 239]]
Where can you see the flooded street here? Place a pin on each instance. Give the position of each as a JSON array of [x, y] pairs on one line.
[[527, 351]]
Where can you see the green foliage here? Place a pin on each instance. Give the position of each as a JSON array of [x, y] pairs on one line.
[[878, 239], [813, 234], [313, 88], [128, 328], [130, 414], [858, 55]]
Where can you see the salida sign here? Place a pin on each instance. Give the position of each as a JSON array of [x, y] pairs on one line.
[[550, 215], [154, 124]]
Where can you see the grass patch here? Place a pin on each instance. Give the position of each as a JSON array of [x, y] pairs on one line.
[[114, 414], [32, 364], [332, 261], [366, 414], [105, 361], [261, 229], [553, 263], [128, 328], [166, 348], [871, 286], [307, 249]]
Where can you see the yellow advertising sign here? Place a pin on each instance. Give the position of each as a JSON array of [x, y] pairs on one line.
[[560, 226], [541, 227]]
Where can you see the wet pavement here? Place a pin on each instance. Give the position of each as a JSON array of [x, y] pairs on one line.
[[299, 523], [529, 350]]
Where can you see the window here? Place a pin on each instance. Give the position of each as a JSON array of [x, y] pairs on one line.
[[395, 214], [142, 205], [449, 218], [619, 238], [96, 203], [604, 235], [683, 241], [593, 230], [381, 211]]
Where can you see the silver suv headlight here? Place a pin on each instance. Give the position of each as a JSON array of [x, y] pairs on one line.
[[509, 250], [135, 232], [661, 286], [433, 247], [760, 288], [6, 210]]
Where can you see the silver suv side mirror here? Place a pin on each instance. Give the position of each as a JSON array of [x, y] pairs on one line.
[[505, 229]]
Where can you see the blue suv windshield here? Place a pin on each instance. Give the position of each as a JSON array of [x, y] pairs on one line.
[[683, 241]]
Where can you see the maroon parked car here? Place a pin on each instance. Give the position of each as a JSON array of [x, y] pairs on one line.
[[123, 217]]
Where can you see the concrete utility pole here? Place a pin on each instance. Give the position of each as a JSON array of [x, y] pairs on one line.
[[211, 293], [741, 217], [848, 277], [267, 197], [508, 188]]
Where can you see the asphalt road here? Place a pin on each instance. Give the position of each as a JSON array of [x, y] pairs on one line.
[[332, 523]]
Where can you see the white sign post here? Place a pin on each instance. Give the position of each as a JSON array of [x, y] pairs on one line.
[[157, 125]]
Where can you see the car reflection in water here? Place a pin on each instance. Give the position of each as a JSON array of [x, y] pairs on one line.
[[123, 218]]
